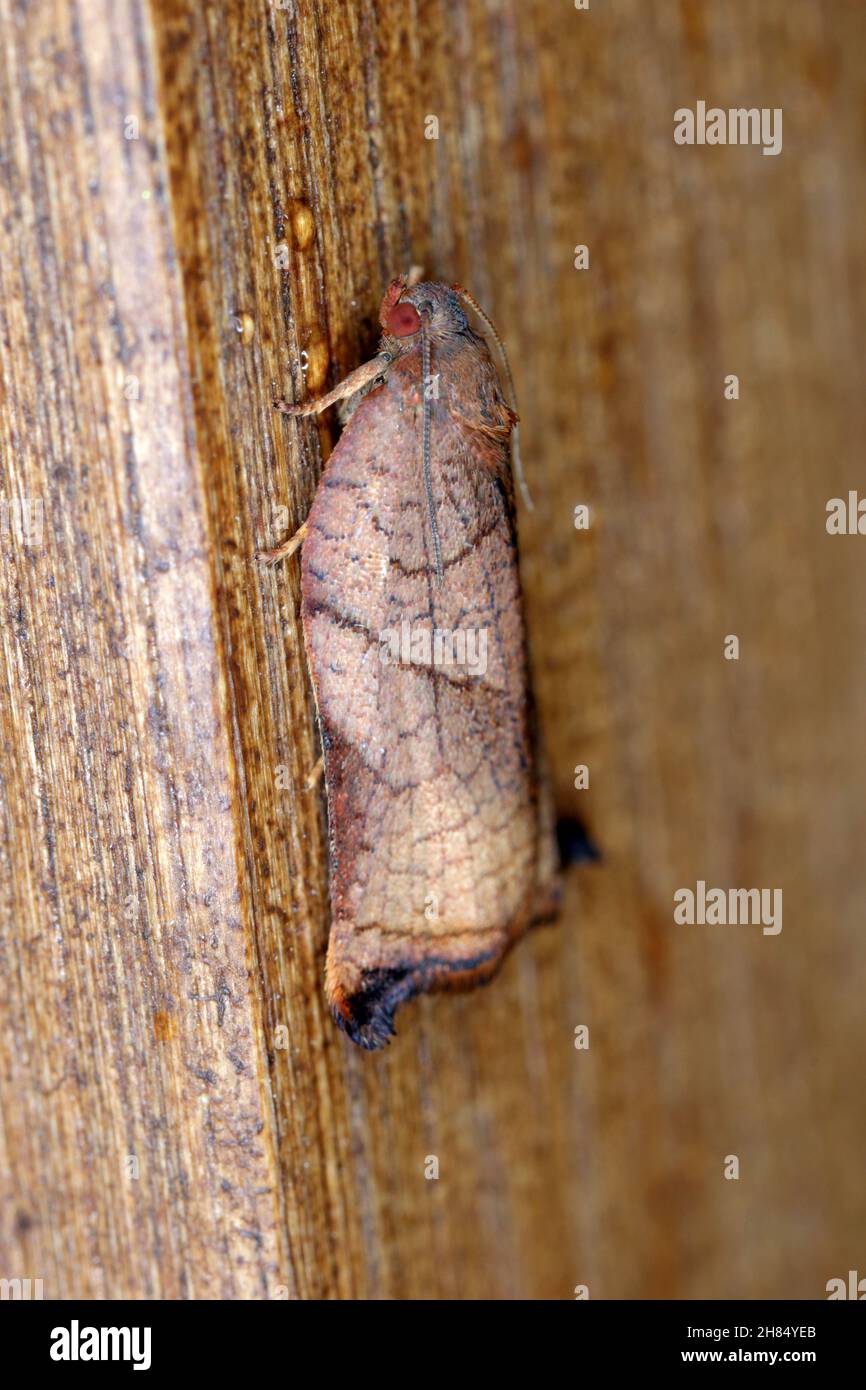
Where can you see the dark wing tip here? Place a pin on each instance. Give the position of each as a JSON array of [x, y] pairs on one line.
[[367, 1016]]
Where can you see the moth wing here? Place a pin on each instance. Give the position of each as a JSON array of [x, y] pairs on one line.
[[423, 698]]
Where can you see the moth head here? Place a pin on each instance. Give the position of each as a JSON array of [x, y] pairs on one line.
[[432, 305], [403, 320]]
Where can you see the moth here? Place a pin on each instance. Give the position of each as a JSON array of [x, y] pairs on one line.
[[441, 829]]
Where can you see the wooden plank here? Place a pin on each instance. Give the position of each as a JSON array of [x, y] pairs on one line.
[[158, 727], [136, 1133]]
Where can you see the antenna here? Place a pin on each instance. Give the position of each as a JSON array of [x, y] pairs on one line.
[[425, 447], [515, 440]]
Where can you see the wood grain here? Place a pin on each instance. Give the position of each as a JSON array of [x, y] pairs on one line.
[[131, 1022], [164, 891]]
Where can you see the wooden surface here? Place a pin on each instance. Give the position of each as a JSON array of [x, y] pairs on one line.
[[163, 874]]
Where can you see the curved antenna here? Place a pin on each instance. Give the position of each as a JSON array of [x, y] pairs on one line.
[[515, 439], [425, 448]]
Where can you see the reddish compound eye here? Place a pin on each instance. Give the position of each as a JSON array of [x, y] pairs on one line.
[[403, 320]]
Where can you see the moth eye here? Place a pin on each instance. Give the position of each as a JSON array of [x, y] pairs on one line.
[[403, 320]]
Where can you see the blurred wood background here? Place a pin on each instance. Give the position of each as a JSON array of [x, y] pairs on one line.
[[200, 208]]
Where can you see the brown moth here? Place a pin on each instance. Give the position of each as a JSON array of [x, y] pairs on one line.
[[442, 849]]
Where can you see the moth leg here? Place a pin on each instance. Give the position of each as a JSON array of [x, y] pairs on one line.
[[354, 382], [316, 774], [287, 548]]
